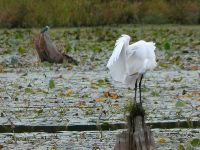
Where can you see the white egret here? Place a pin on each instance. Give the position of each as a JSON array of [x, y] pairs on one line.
[[128, 63]]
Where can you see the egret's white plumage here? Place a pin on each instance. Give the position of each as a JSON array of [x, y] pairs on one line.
[[128, 62]]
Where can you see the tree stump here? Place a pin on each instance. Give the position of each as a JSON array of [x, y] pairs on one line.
[[138, 136], [47, 50]]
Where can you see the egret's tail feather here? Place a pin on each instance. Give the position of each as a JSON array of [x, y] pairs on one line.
[[151, 45]]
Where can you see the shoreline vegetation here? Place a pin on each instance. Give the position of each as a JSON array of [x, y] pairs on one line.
[[78, 13]]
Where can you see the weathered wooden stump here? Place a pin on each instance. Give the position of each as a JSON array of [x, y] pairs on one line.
[[138, 136], [47, 50]]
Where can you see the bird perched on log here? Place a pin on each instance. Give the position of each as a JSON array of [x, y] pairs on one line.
[[128, 63], [45, 29], [47, 50]]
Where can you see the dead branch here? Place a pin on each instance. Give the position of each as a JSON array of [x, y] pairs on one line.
[[47, 50]]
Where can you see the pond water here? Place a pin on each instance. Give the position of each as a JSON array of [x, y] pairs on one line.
[[36, 94]]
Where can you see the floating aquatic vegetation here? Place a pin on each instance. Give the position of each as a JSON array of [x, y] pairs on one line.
[[180, 103], [21, 50], [51, 84]]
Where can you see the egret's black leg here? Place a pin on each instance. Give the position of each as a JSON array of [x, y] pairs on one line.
[[140, 89], [135, 91]]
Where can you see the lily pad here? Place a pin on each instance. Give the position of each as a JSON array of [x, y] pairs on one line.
[[28, 90], [167, 46], [181, 147], [180, 103], [21, 50], [195, 142], [51, 84]]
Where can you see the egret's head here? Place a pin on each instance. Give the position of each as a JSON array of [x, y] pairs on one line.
[[45, 29]]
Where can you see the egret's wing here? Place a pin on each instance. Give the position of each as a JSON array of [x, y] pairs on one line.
[[120, 45], [116, 63]]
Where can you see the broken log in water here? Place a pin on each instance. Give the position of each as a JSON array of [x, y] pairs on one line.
[[138, 136], [47, 50]]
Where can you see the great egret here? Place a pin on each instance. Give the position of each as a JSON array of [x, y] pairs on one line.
[[128, 63]]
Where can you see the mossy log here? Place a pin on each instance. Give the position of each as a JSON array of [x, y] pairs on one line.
[[47, 50], [138, 136]]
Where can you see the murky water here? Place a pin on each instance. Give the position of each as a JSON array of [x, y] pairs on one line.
[[86, 95]]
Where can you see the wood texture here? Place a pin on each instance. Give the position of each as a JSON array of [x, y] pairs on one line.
[[47, 50], [138, 136]]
